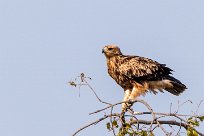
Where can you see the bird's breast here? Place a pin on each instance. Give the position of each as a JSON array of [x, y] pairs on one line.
[[120, 79]]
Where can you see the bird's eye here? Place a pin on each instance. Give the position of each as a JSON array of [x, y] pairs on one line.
[[110, 49]]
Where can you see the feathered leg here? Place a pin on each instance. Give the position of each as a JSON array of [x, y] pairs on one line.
[[138, 90], [126, 97], [132, 94]]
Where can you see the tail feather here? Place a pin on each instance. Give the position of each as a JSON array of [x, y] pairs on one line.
[[169, 84], [177, 87]]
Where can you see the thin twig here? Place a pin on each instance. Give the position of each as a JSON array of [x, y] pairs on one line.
[[159, 113], [95, 93], [199, 106], [95, 122], [162, 128], [179, 129], [111, 120]]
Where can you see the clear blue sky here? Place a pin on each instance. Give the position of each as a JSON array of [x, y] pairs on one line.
[[46, 43]]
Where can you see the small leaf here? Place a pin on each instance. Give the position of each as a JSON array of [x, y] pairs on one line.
[[122, 132], [191, 132], [190, 118], [144, 133], [137, 133], [201, 118], [131, 119], [108, 126], [127, 126], [131, 134], [115, 124], [193, 122], [150, 134], [72, 83]]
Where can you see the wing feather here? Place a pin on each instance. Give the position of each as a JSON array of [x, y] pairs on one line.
[[142, 69]]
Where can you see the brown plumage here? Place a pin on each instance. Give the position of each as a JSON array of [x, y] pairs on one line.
[[138, 75]]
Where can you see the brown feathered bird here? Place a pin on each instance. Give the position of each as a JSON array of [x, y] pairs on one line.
[[138, 75]]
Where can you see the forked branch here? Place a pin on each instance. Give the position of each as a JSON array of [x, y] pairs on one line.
[[130, 124]]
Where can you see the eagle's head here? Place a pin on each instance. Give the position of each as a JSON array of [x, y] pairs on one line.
[[111, 50]]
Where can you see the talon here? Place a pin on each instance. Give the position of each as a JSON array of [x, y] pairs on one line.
[[131, 111]]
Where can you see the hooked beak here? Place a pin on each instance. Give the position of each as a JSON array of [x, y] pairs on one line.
[[103, 51]]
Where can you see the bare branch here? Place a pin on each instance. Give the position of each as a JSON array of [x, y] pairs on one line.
[[132, 122], [169, 122], [95, 122], [83, 81], [157, 121], [199, 106]]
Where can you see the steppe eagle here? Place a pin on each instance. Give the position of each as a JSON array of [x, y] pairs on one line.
[[138, 75]]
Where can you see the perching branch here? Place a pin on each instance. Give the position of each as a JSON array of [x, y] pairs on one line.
[[95, 122], [128, 122]]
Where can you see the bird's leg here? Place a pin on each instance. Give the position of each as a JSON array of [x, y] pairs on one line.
[[126, 97], [138, 90], [133, 94], [124, 105]]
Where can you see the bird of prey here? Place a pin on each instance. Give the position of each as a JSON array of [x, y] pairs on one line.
[[138, 75]]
